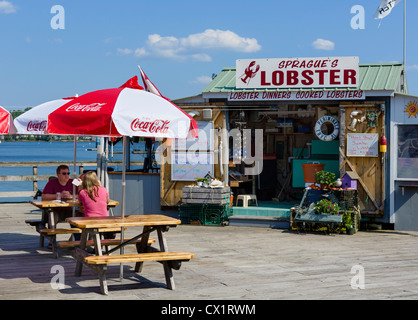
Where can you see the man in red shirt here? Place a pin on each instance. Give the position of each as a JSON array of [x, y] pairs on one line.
[[63, 184]]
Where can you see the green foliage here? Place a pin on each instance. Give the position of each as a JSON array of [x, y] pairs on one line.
[[347, 221], [325, 177], [326, 206]]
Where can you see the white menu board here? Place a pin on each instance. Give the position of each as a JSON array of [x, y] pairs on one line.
[[187, 166], [362, 145]]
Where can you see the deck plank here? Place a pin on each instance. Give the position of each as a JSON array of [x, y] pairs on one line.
[[230, 263]]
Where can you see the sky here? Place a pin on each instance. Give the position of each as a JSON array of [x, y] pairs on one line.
[[49, 52]]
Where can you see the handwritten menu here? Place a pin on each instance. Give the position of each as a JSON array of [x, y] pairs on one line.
[[362, 144], [187, 166]]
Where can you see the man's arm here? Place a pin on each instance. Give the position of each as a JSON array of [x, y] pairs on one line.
[[49, 196], [48, 193]]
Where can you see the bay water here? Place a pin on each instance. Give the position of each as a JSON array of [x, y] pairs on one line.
[[21, 151]]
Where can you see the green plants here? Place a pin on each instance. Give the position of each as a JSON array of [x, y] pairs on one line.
[[325, 178], [201, 181], [326, 206], [348, 223]]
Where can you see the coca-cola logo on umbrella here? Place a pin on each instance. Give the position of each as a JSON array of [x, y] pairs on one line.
[[36, 126], [156, 126], [83, 108]]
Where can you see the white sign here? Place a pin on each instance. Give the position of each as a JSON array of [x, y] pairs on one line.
[[297, 95], [330, 72], [187, 166], [362, 144]]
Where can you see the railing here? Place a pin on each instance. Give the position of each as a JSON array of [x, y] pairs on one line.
[[35, 178]]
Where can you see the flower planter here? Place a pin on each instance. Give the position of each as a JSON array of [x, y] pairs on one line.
[[351, 231], [309, 170]]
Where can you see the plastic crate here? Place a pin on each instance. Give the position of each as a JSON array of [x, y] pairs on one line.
[[192, 213], [217, 214]]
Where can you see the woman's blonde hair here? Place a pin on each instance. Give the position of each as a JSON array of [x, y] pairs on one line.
[[91, 184]]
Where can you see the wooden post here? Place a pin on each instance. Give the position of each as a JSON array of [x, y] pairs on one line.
[[35, 182], [342, 140]]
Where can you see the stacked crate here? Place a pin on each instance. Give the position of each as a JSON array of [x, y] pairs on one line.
[[205, 206]]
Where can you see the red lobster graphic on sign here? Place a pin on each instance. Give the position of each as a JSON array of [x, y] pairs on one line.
[[249, 72]]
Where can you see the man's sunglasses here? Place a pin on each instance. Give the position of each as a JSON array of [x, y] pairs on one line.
[[65, 173]]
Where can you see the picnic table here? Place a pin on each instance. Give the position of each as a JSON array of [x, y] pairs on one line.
[[149, 223], [47, 226], [48, 207]]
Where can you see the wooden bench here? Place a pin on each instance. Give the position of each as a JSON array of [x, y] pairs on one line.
[[33, 222], [51, 234], [104, 242], [139, 257], [38, 224], [101, 262], [56, 231]]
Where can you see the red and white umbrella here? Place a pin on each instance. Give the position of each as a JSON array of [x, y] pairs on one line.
[[6, 122], [124, 111], [34, 121]]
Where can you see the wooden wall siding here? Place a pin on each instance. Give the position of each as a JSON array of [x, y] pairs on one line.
[[172, 191], [369, 169]]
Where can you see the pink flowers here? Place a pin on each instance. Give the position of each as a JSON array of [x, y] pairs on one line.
[[326, 206]]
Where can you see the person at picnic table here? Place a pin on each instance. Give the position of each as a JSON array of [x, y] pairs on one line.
[[63, 184], [94, 199]]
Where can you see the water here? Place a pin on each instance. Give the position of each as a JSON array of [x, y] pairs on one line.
[[51, 151]]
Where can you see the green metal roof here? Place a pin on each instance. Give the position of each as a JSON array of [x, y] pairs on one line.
[[376, 77]]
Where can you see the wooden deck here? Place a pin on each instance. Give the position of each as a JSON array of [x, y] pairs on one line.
[[231, 263]]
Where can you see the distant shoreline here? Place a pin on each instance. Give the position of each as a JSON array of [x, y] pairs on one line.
[[42, 138]]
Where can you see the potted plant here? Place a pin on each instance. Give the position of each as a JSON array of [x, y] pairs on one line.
[[325, 179], [348, 222], [206, 182], [200, 181]]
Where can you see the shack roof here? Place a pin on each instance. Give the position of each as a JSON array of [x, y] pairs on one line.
[[373, 77]]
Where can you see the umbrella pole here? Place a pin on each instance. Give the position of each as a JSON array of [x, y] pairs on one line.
[[74, 169], [125, 139]]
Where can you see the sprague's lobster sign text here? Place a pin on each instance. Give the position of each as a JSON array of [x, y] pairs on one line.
[[329, 72]]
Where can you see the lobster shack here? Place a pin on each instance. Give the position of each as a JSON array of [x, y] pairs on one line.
[[267, 119]]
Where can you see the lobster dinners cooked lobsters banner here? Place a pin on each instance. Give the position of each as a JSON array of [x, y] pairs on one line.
[[327, 72]]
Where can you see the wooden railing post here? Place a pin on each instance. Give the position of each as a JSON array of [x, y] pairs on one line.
[[35, 182]]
